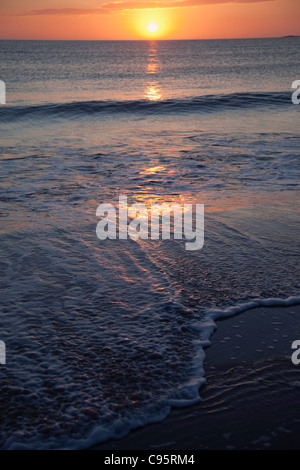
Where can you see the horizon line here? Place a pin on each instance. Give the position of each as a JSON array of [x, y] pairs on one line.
[[157, 39]]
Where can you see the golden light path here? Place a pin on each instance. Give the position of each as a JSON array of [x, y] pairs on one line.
[[152, 92]]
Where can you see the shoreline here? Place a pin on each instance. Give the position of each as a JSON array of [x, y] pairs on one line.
[[249, 373]]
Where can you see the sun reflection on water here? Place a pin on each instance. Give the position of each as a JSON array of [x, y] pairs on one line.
[[152, 91], [152, 170]]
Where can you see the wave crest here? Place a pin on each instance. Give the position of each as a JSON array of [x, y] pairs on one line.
[[200, 104]]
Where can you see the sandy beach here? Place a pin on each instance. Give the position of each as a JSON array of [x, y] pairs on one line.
[[251, 396]]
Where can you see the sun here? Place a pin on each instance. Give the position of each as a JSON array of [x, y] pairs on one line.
[[152, 27]]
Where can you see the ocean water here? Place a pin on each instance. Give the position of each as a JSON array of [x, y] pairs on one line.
[[105, 336]]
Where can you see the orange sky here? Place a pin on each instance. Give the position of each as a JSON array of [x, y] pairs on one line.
[[128, 19]]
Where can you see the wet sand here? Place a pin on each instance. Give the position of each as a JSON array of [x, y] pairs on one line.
[[251, 396]]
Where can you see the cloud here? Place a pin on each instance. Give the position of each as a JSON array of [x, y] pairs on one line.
[[117, 6], [61, 11]]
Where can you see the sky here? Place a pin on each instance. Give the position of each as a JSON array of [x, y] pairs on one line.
[[129, 19]]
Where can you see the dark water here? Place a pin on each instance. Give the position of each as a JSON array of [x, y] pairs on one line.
[[202, 105], [103, 336]]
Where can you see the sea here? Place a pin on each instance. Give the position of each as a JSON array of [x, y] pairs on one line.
[[104, 336]]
